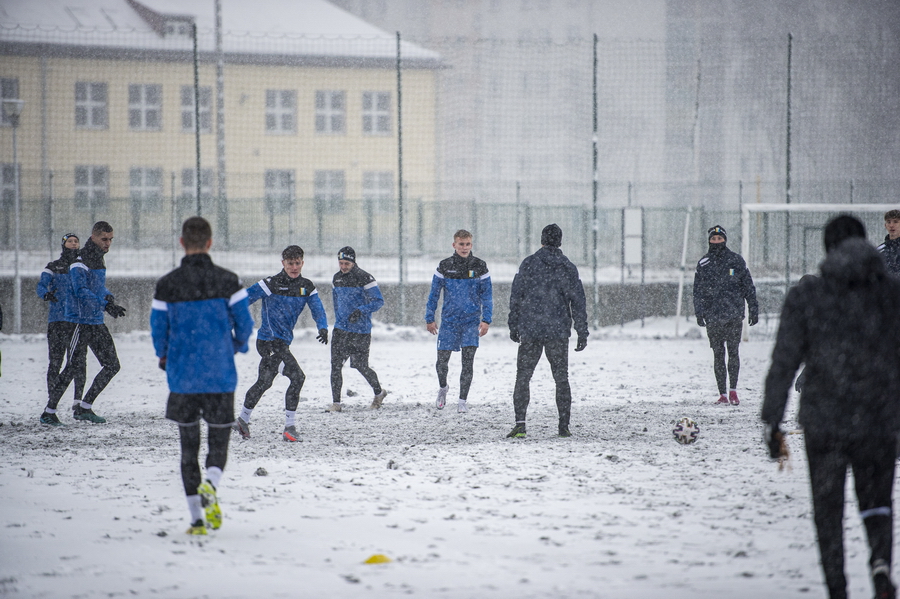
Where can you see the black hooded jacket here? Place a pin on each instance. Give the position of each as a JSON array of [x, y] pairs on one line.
[[845, 326], [890, 251], [722, 283], [546, 297]]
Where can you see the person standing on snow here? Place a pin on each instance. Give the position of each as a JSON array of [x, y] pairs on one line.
[[546, 297], [356, 296], [890, 249], [283, 298], [722, 283], [844, 325], [199, 320], [55, 288], [465, 315]]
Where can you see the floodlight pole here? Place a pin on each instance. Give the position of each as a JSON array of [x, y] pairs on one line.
[[12, 108]]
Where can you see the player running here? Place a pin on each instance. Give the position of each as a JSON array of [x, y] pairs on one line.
[[283, 298]]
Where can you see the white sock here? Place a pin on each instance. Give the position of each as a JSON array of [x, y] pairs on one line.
[[289, 418], [733, 390], [50, 410], [214, 475], [245, 415], [86, 406], [195, 507], [462, 401]]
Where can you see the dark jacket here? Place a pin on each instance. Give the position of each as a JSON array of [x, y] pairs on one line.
[[845, 326], [546, 297], [722, 284], [890, 251]]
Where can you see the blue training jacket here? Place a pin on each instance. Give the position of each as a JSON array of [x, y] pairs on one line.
[[356, 290], [87, 301], [468, 298], [200, 319], [283, 299]]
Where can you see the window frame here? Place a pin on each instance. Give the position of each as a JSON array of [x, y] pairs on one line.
[[187, 110], [330, 190], [279, 189], [89, 199], [143, 108], [90, 106], [329, 118], [141, 201], [376, 121], [277, 110], [375, 191]]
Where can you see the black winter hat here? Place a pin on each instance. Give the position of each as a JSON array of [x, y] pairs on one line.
[[551, 236], [347, 253], [66, 237], [717, 230], [840, 228]]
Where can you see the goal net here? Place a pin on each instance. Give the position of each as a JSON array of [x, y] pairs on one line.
[[784, 241]]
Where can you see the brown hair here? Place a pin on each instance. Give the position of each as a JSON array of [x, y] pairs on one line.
[[101, 226], [292, 252], [891, 214], [195, 232], [462, 234]]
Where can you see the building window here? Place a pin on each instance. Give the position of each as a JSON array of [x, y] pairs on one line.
[[91, 187], [146, 185], [187, 109], [145, 107], [281, 111], [8, 187], [329, 189], [91, 105], [9, 90], [378, 188], [330, 112], [279, 190], [376, 113], [189, 184]]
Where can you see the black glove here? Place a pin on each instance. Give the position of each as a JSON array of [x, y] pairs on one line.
[[354, 316], [774, 439], [514, 335], [50, 297], [754, 318], [323, 336], [582, 343], [113, 309], [701, 322], [162, 363]]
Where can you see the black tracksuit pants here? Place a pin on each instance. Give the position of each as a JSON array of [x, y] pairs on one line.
[[274, 353], [98, 339], [721, 335], [557, 351], [872, 461], [59, 337]]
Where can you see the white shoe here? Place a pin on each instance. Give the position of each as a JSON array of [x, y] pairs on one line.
[[442, 397], [462, 408], [376, 401]]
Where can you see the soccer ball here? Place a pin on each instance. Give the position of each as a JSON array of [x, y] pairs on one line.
[[686, 431]]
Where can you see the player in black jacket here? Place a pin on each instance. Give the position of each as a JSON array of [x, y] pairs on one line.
[[844, 326], [546, 297], [890, 249], [722, 283]]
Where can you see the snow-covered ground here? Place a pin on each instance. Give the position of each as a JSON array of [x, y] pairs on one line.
[[618, 510]]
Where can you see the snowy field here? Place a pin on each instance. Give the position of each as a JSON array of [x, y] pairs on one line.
[[618, 510]]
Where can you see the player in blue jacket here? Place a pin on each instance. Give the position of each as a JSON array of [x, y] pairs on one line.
[[89, 300], [722, 283], [283, 298], [200, 318], [465, 314], [54, 287], [356, 296]]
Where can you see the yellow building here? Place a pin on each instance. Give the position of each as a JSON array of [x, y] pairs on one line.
[[309, 120]]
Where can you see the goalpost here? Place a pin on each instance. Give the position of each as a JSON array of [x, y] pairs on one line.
[[787, 238]]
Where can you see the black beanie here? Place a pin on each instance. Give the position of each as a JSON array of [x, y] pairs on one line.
[[347, 253], [551, 236], [66, 237], [717, 230], [840, 228]]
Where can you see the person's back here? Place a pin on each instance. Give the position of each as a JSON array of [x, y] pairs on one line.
[[844, 326], [196, 297], [546, 295]]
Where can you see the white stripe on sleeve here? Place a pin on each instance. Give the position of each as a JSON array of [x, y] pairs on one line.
[[238, 296], [370, 285], [265, 287], [160, 305]]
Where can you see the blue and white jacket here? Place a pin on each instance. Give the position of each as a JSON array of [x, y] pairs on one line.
[[356, 290], [55, 277], [88, 278], [283, 299], [199, 320], [890, 251], [466, 284]]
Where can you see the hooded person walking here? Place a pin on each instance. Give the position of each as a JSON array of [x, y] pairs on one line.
[[547, 297], [844, 326]]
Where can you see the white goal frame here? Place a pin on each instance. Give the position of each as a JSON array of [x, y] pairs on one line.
[[746, 209]]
